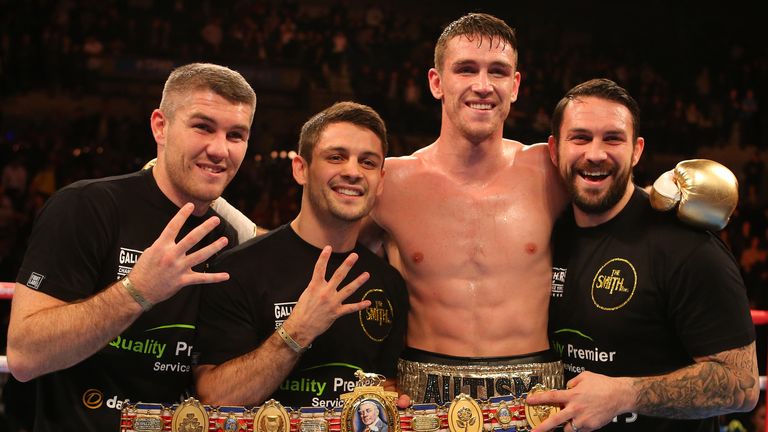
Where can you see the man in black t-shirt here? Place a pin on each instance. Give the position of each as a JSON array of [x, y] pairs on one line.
[[649, 315], [255, 333], [103, 311]]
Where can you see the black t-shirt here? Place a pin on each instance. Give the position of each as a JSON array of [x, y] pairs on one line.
[[643, 294], [267, 276], [87, 236]]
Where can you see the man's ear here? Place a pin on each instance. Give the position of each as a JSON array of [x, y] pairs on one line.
[[159, 122], [638, 150], [300, 169], [552, 144], [516, 86], [435, 83]]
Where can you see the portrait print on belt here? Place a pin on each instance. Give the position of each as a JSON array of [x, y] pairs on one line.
[[370, 417], [369, 408]]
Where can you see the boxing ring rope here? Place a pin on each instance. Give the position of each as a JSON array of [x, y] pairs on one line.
[[759, 317]]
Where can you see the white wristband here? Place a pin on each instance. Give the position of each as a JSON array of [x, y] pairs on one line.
[[136, 295], [290, 341]]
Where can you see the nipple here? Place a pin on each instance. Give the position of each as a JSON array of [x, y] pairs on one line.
[[530, 248]]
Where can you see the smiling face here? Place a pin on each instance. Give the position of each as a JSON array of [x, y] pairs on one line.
[[344, 178], [477, 84], [201, 147], [595, 156]]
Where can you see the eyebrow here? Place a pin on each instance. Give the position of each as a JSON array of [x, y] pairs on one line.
[[471, 62], [209, 119], [589, 131], [345, 150]]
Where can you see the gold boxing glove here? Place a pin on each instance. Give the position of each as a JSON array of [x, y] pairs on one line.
[[705, 192]]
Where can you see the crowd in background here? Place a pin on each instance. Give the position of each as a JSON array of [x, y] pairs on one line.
[[700, 81]]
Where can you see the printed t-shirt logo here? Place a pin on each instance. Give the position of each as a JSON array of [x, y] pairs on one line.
[[282, 312], [35, 280], [614, 284], [126, 259], [93, 398], [377, 320], [558, 281]]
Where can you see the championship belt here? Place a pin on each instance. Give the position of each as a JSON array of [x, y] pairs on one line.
[[368, 408]]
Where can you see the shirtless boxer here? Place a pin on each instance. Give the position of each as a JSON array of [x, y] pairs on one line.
[[469, 219]]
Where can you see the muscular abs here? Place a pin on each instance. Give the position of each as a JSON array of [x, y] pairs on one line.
[[475, 256]]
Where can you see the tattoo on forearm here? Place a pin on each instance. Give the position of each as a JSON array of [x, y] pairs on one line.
[[718, 384]]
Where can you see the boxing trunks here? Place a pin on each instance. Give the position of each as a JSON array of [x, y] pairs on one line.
[[438, 378]]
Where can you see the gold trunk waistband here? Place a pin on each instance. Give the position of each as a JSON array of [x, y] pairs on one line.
[[436, 378]]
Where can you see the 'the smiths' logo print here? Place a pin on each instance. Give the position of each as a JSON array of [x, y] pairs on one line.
[[377, 320], [614, 284]]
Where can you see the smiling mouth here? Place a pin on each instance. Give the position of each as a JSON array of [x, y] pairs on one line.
[[348, 191], [211, 169], [481, 106], [594, 176]]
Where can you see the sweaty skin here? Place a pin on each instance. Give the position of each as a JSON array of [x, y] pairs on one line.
[[473, 247], [470, 216]]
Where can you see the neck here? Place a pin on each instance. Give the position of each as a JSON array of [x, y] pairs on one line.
[[340, 235], [588, 220], [475, 162], [170, 192]]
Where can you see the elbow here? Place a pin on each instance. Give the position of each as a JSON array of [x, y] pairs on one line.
[[23, 364], [207, 391], [22, 369], [203, 391], [207, 394], [752, 395]]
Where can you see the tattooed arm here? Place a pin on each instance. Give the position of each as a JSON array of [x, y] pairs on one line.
[[718, 384]]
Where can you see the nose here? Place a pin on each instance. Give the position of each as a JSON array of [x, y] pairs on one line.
[[483, 85], [595, 151], [218, 147], [351, 169]]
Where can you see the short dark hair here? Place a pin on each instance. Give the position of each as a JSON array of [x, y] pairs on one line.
[[223, 81], [600, 88], [340, 112], [476, 24]]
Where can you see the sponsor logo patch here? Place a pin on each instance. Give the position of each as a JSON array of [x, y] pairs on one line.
[[377, 319], [35, 280], [93, 398], [614, 284], [558, 280]]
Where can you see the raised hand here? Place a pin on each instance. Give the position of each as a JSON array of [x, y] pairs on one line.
[[321, 303], [165, 267]]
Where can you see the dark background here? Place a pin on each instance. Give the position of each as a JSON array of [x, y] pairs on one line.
[[79, 79]]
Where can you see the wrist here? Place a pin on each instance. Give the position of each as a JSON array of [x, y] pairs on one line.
[[631, 388], [135, 294], [292, 343]]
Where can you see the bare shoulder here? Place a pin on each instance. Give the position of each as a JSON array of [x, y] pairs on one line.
[[535, 155], [537, 151], [403, 176], [402, 168]]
